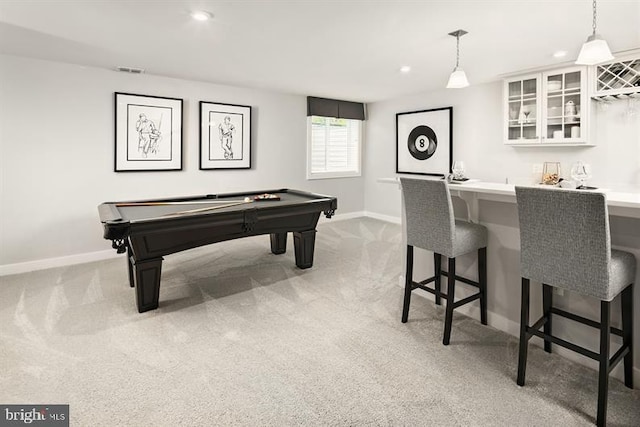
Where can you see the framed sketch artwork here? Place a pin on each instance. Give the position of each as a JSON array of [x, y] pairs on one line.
[[225, 136], [424, 142], [148, 132]]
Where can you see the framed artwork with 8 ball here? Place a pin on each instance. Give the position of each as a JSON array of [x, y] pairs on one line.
[[424, 142]]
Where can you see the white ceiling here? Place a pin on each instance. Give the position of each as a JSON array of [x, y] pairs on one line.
[[346, 49]]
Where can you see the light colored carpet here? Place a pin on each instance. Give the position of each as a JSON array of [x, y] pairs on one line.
[[243, 337]]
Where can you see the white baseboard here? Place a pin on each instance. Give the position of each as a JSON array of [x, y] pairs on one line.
[[359, 214], [387, 218], [341, 217], [43, 264]]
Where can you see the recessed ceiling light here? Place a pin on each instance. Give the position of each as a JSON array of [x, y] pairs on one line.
[[201, 15], [560, 54], [405, 69]]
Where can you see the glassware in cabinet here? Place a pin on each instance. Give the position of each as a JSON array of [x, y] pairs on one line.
[[563, 101], [522, 105]]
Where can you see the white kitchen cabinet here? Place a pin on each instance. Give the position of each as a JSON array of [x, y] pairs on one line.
[[549, 108]]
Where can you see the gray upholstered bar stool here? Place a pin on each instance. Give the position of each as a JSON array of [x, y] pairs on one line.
[[565, 243], [431, 225]]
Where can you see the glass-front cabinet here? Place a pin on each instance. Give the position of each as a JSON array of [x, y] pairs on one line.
[[548, 108], [564, 99], [523, 109]]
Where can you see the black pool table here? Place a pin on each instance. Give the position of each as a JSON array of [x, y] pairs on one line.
[[149, 229]]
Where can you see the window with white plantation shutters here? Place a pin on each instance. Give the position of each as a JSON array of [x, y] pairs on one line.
[[334, 138], [334, 147]]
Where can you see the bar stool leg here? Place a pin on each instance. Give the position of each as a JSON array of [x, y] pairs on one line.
[[603, 372], [627, 333], [547, 303], [482, 282], [451, 290], [524, 339], [437, 267], [408, 284]]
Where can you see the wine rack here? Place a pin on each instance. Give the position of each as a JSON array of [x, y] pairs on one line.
[[617, 79]]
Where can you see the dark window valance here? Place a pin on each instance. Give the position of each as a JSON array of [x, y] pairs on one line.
[[334, 108]]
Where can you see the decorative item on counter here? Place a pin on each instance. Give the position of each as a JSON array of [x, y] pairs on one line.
[[458, 171], [581, 172], [567, 183], [551, 173]]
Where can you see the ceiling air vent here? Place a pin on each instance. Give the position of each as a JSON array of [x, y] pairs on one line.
[[130, 70]]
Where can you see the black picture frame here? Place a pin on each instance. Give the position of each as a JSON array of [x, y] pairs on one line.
[[225, 136], [148, 133], [424, 142]]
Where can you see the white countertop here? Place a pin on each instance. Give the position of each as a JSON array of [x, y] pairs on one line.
[[614, 198], [629, 199]]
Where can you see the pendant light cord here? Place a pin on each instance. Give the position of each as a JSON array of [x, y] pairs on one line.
[[594, 17], [457, 50]]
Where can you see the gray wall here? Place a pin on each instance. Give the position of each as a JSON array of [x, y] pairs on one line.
[[57, 148]]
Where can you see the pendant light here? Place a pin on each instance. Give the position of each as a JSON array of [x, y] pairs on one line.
[[595, 50], [458, 78]]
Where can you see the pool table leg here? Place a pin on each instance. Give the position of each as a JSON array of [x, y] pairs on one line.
[[304, 242], [147, 278], [278, 243], [132, 282]]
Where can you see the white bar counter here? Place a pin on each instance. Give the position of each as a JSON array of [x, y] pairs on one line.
[[619, 203]]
